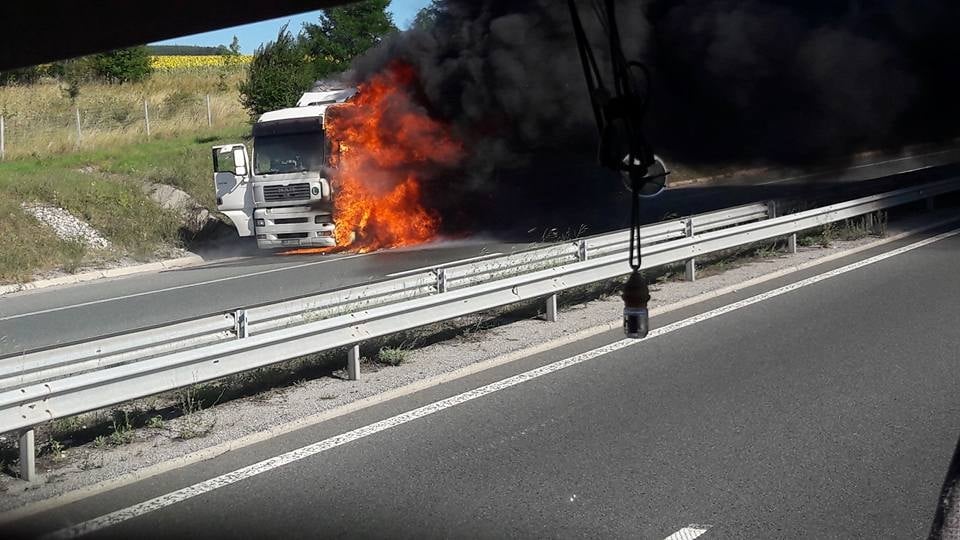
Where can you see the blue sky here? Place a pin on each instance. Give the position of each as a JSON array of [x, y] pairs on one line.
[[252, 35]]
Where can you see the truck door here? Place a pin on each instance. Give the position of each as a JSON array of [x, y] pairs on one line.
[[231, 179]]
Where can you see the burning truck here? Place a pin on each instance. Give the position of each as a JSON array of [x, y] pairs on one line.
[[342, 169], [283, 195]]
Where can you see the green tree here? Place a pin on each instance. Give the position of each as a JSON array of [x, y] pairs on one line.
[[277, 76], [71, 74], [344, 32], [231, 55], [122, 65], [426, 18]]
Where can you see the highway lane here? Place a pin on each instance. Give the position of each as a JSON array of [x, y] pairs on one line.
[[62, 315], [827, 411], [65, 314]]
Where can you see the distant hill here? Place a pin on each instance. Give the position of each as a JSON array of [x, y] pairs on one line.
[[186, 50]]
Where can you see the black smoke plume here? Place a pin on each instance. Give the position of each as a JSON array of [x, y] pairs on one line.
[[764, 81]]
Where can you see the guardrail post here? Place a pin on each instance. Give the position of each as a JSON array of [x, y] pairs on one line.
[[792, 243], [28, 456], [240, 323], [691, 264], [552, 308], [441, 280], [582, 250], [353, 363], [771, 209]]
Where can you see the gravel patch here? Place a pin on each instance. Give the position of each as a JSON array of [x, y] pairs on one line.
[[86, 465], [65, 225]]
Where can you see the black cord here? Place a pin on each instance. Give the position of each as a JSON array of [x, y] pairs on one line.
[[635, 224], [619, 116], [591, 71]]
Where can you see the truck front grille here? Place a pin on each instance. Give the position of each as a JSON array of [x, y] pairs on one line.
[[287, 235], [289, 221], [288, 192]]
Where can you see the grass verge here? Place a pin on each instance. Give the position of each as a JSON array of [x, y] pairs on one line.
[[105, 189]]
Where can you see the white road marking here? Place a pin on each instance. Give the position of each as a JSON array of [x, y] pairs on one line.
[[863, 166], [275, 462], [167, 289], [444, 265], [690, 532]]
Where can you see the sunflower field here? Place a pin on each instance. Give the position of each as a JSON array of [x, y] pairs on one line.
[[197, 62]]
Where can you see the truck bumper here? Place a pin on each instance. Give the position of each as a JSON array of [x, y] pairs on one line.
[[293, 226]]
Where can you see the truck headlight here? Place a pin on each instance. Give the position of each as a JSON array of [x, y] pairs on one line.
[[259, 222], [315, 190]]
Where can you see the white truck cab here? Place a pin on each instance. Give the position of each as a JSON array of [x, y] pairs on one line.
[[281, 194]]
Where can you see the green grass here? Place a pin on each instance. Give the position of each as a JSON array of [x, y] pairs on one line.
[[25, 246], [392, 356], [182, 162], [122, 428], [104, 188]]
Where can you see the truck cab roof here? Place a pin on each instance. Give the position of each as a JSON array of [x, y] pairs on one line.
[[310, 105], [290, 113], [326, 98]]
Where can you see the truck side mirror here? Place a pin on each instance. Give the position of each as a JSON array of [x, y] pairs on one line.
[[239, 162]]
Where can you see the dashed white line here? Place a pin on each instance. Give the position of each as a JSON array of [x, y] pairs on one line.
[[863, 166], [177, 287], [275, 462], [690, 532]]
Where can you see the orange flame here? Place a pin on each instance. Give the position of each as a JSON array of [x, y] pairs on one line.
[[387, 145]]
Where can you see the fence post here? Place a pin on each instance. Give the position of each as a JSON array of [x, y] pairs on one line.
[[3, 150], [353, 363], [28, 455], [76, 110], [209, 114], [582, 251], [146, 116], [240, 324], [441, 280], [691, 265], [552, 308]]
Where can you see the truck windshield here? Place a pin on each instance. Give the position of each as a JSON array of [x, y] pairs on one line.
[[293, 152]]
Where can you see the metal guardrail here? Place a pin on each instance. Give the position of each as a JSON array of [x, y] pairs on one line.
[[55, 383]]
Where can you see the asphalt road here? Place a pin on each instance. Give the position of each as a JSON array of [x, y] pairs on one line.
[[827, 411], [56, 316]]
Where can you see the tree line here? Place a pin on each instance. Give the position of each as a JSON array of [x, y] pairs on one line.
[[131, 64], [195, 50], [280, 71], [119, 66], [283, 69]]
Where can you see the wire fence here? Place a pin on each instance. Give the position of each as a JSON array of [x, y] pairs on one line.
[[103, 120]]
